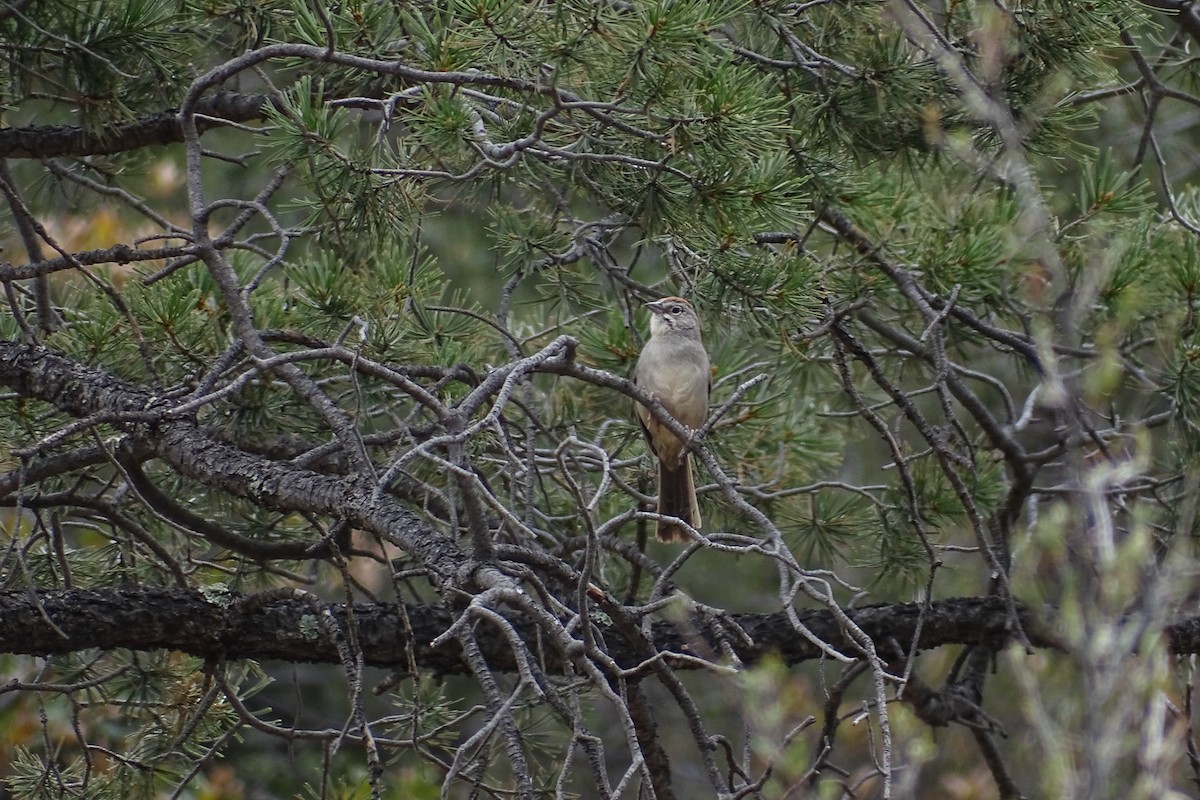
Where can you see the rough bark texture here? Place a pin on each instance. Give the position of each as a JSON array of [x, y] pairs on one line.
[[83, 391], [287, 626], [52, 141]]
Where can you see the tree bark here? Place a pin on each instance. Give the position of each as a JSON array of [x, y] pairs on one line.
[[287, 625]]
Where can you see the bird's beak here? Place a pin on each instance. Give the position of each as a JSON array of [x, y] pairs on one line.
[[656, 306]]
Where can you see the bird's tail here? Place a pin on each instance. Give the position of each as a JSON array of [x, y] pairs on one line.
[[677, 498]]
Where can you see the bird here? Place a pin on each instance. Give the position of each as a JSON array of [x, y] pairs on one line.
[[673, 367]]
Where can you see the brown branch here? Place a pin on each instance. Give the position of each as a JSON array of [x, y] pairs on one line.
[[179, 516], [52, 141], [117, 254], [88, 393], [647, 729], [47, 318], [50, 467], [281, 626], [1183, 11]]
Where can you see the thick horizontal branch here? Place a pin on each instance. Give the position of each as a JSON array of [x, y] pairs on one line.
[[86, 392], [51, 141], [288, 626]]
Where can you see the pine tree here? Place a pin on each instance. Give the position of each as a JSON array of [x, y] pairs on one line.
[[318, 440]]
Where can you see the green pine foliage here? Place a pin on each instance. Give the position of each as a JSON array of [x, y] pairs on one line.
[[746, 148], [696, 148]]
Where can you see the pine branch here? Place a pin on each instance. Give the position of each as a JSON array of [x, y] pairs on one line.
[[1183, 13], [281, 626], [52, 141], [97, 397]]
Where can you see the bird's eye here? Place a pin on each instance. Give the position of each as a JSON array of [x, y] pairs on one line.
[[676, 309]]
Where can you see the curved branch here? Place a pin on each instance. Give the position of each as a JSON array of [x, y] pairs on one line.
[[83, 391]]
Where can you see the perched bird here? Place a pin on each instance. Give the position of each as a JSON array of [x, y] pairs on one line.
[[673, 367]]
